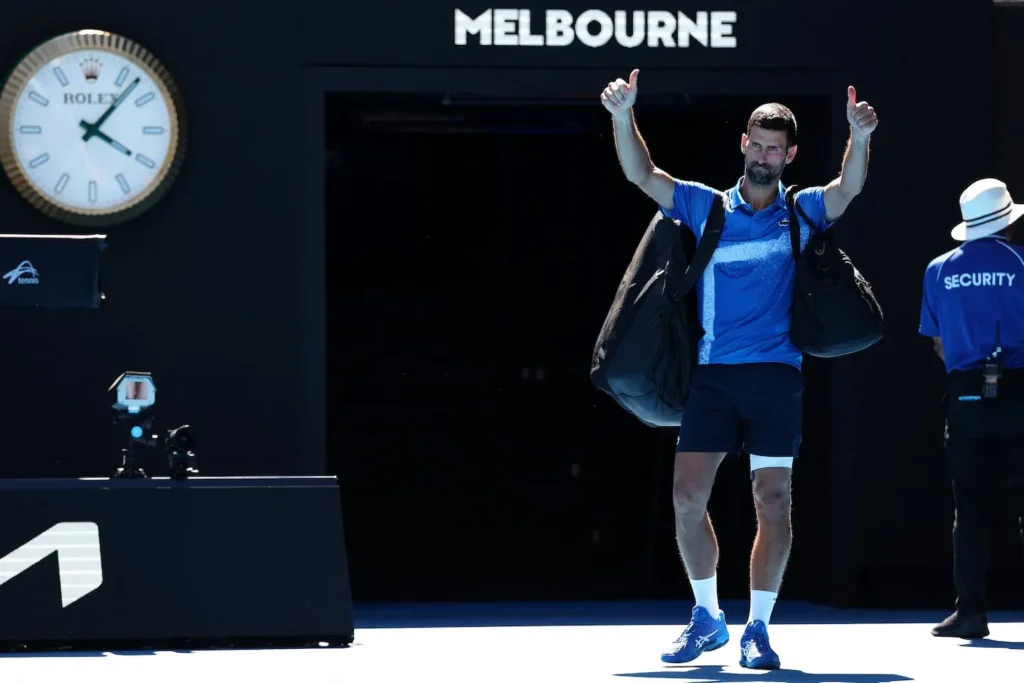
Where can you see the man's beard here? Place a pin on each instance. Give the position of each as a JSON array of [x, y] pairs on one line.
[[762, 174]]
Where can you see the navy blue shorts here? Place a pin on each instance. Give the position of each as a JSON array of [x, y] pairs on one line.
[[754, 408]]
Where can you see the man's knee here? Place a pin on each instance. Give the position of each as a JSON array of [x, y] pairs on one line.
[[772, 493], [694, 478], [689, 498]]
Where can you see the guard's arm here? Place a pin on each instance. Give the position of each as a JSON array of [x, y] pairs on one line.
[[939, 351]]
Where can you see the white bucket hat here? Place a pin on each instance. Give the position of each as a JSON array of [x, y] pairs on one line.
[[987, 208]]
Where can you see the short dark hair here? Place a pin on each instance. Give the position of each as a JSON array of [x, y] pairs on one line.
[[774, 116]]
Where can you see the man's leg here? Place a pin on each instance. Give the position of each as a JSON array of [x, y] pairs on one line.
[[693, 480], [1016, 458], [978, 468], [708, 431], [774, 537], [772, 418], [691, 488], [971, 465]]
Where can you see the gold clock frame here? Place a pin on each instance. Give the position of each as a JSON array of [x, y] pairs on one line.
[[59, 46]]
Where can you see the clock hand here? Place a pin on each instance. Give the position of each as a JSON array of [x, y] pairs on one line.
[[91, 129], [107, 139]]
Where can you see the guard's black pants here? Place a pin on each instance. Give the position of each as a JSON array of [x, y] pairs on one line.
[[980, 468], [985, 452]]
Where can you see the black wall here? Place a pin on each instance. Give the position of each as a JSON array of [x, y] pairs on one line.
[[232, 267], [206, 290], [1009, 96]]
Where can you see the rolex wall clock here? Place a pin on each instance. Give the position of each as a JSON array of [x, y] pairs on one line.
[[92, 128]]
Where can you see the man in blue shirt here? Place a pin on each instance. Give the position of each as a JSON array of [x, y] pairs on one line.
[[973, 308], [747, 389]]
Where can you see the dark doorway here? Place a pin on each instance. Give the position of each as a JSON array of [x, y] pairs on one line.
[[473, 249]]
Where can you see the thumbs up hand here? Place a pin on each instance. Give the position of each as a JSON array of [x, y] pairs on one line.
[[620, 96], [862, 117]]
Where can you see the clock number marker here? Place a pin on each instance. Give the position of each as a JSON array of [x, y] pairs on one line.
[[125, 187], [62, 183], [59, 73], [39, 160], [145, 161], [38, 99], [93, 191], [152, 130], [30, 130], [145, 99], [121, 77]]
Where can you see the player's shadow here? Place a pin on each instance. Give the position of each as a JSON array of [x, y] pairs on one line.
[[48, 654], [997, 644], [718, 674]]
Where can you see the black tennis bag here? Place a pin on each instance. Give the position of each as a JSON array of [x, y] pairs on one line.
[[835, 313], [647, 347]]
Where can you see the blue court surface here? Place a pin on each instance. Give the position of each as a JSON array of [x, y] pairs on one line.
[[575, 642]]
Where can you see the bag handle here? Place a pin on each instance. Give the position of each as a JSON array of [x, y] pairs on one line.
[[708, 243]]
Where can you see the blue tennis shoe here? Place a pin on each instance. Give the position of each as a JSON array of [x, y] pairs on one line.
[[703, 634], [755, 650]]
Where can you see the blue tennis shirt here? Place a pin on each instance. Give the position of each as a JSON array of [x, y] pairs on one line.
[[966, 292], [745, 297]]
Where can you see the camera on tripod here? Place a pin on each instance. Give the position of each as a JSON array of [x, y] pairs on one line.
[[181, 452], [136, 395]]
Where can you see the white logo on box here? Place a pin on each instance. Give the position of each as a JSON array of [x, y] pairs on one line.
[[24, 274]]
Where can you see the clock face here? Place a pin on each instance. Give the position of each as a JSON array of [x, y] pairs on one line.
[[93, 130]]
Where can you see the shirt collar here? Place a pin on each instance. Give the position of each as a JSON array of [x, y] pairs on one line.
[[736, 199], [998, 238]]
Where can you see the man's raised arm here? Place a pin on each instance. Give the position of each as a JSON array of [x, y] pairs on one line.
[[841, 191], [618, 98]]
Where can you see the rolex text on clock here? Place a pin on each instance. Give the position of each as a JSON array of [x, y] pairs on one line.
[[92, 128]]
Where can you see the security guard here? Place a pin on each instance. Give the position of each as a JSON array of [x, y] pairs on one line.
[[973, 307]]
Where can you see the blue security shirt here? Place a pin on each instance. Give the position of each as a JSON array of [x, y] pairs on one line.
[[966, 292], [745, 297]]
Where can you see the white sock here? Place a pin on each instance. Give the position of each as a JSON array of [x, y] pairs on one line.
[[761, 605], [705, 593]]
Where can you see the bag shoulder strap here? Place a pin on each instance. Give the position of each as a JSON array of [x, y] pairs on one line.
[[709, 237], [794, 224]]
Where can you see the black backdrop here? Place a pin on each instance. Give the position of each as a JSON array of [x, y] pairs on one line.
[[226, 275]]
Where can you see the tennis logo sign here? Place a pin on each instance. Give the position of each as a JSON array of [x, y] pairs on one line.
[[79, 561], [595, 28]]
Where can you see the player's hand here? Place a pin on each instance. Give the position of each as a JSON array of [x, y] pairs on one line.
[[619, 97], [861, 115]]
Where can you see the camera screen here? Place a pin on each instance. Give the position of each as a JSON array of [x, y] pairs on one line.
[[137, 390]]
